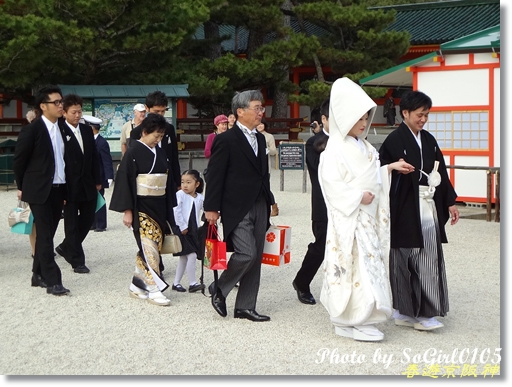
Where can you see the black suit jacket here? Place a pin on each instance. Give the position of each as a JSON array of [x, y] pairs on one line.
[[82, 169], [404, 189], [34, 162], [236, 177], [318, 207], [169, 145], [105, 158]]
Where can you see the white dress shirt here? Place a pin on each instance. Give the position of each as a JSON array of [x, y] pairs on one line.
[[78, 135], [58, 150]]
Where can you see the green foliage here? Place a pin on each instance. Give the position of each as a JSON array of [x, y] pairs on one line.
[[135, 42], [353, 42], [92, 41]]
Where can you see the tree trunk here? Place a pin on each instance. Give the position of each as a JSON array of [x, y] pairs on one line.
[[256, 40], [280, 106], [211, 31], [318, 65]]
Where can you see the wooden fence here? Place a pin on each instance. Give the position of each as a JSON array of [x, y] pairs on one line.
[[490, 172]]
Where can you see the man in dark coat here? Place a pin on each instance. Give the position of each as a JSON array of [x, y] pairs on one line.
[[39, 169], [390, 111], [156, 103], [316, 250], [106, 171], [83, 183], [238, 191], [419, 210]]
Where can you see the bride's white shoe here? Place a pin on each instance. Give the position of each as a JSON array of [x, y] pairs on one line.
[[360, 332], [158, 298]]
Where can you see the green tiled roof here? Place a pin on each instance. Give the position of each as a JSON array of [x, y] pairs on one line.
[[489, 38], [428, 23], [230, 33], [440, 22], [124, 91], [398, 76]]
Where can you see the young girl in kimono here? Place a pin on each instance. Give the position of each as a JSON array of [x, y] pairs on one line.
[[145, 193], [355, 289], [190, 202]]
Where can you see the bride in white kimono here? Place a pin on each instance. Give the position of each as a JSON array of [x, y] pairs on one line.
[[355, 289]]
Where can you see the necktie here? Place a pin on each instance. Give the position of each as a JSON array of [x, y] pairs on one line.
[[59, 155], [78, 136], [252, 137]]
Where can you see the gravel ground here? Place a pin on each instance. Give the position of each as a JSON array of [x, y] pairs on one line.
[[99, 330]]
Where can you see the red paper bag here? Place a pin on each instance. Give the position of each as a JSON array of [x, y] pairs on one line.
[[276, 250], [215, 251]]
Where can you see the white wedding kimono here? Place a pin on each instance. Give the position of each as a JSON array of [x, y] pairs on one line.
[[355, 288]]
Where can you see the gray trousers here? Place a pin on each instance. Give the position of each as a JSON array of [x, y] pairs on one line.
[[244, 265]]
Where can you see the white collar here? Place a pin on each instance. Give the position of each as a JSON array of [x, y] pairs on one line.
[[72, 127], [245, 127]]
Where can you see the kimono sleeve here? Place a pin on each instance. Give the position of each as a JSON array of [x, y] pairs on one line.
[[337, 193], [124, 195]]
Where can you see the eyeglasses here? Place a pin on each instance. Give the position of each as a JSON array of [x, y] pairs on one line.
[[258, 109], [57, 102]]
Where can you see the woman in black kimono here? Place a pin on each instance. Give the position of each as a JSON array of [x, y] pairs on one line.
[[144, 191]]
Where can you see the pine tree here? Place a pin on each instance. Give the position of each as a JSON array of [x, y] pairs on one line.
[[92, 41]]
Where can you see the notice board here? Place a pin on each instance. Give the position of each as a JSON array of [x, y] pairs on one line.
[[291, 155]]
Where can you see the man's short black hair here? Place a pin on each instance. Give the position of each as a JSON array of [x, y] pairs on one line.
[[71, 100], [413, 100], [156, 98], [43, 95]]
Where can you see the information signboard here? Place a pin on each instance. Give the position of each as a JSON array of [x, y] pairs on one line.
[[291, 155]]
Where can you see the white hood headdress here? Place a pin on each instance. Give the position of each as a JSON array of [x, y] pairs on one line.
[[348, 103]]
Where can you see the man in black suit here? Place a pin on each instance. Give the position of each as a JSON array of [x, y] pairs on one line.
[[315, 254], [106, 170], [239, 192], [39, 169], [83, 183], [156, 103]]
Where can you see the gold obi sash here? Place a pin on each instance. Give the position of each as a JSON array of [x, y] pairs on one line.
[[151, 184]]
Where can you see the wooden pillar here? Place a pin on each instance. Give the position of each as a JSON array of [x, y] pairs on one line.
[[489, 193], [497, 197], [19, 109], [295, 108], [181, 108]]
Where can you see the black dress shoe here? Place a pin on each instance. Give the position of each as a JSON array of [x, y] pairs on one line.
[[100, 229], [178, 288], [250, 314], [196, 287], [57, 290], [218, 301], [37, 280], [304, 297], [81, 269], [60, 251]]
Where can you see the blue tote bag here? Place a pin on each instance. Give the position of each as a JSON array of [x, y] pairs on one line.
[[22, 225]]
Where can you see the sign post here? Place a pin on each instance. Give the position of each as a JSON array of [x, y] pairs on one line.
[[291, 156]]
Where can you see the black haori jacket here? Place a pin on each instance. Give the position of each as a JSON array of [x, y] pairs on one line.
[[404, 189]]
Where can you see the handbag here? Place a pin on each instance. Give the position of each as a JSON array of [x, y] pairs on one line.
[[171, 243], [19, 214], [21, 219], [276, 250], [215, 250]]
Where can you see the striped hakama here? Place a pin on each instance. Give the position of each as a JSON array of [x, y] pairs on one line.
[[417, 275]]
